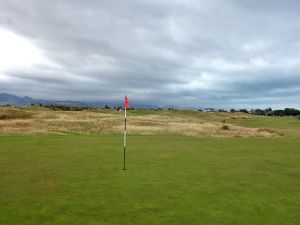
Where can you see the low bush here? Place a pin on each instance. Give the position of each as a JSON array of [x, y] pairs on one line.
[[225, 127]]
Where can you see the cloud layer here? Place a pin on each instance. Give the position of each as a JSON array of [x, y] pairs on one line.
[[233, 53]]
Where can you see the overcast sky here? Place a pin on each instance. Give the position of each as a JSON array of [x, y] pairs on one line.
[[229, 53]]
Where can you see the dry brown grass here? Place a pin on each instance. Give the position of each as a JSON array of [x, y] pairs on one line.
[[43, 120], [7, 113]]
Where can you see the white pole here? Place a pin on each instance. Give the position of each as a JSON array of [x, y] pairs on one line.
[[124, 168], [125, 130]]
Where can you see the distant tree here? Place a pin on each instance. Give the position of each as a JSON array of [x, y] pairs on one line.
[[285, 112], [291, 112], [232, 110], [269, 109], [258, 112], [243, 110], [278, 113]]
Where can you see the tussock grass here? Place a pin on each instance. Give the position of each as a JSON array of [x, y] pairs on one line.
[[32, 120], [7, 113]]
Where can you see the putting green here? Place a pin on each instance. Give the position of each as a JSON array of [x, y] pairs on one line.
[[77, 179]]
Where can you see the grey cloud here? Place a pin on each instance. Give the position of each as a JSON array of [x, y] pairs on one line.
[[205, 53]]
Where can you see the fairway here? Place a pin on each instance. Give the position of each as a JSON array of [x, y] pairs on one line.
[[78, 179]]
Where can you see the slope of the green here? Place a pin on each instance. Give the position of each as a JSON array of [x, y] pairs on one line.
[[169, 180]]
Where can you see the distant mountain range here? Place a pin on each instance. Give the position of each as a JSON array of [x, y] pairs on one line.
[[9, 99]]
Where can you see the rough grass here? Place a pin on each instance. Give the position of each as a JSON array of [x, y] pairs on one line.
[[8, 113], [78, 179], [38, 120]]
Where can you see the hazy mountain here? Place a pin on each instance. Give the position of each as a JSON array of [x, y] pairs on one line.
[[9, 99]]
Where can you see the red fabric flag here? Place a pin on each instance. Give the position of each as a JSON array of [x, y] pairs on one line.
[[127, 104]]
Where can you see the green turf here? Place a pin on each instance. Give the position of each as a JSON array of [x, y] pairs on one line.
[[269, 122], [79, 179]]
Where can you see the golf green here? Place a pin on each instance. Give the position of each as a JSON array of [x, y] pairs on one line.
[[78, 179]]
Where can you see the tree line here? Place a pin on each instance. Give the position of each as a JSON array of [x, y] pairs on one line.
[[270, 112]]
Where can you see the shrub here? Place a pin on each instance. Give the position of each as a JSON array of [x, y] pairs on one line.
[[225, 127]]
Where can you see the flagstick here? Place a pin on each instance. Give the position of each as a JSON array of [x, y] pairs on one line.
[[124, 168]]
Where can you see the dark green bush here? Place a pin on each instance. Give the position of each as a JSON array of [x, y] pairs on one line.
[[225, 127]]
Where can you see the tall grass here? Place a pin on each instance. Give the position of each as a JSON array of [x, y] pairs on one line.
[[14, 113], [188, 123]]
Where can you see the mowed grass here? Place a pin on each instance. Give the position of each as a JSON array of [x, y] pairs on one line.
[[292, 123], [78, 179]]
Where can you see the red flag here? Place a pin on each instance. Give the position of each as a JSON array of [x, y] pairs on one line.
[[127, 104]]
